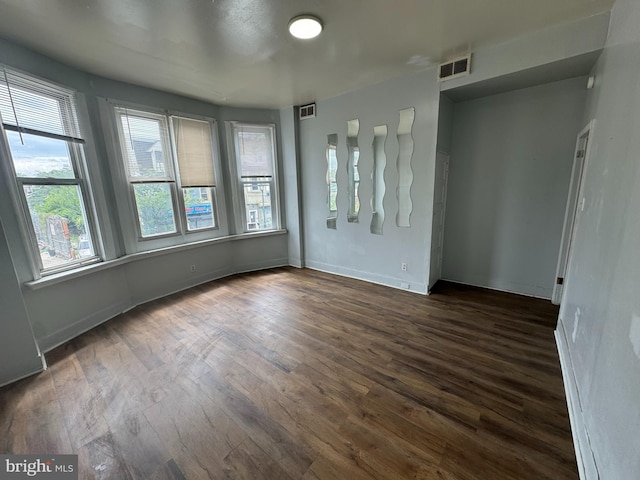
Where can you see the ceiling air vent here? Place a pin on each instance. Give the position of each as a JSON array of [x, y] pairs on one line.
[[307, 111], [455, 68]]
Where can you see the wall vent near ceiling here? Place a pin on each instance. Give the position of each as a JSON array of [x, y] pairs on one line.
[[307, 111], [454, 68]]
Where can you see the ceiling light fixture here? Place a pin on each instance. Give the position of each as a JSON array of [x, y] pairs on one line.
[[305, 26]]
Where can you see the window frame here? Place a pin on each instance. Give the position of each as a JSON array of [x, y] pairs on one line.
[[240, 210], [78, 142], [332, 181], [217, 173], [169, 172], [125, 198]]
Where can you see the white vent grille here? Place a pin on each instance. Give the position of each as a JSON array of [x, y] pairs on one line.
[[307, 111], [454, 68]]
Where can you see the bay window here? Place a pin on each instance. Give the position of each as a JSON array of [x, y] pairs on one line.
[[169, 164]]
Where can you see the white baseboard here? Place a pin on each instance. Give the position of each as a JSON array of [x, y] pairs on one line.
[[8, 381], [55, 339], [263, 265], [296, 262], [587, 467], [507, 288], [387, 281]]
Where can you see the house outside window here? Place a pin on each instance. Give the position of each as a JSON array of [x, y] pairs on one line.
[[42, 139], [169, 164], [255, 158]]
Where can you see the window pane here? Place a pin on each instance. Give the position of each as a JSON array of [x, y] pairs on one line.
[[333, 185], [60, 224], [333, 196], [198, 208], [155, 208], [40, 156], [356, 181], [144, 144], [193, 148], [254, 147], [37, 106], [257, 200]]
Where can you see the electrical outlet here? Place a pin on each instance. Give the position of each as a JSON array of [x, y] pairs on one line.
[[404, 267], [193, 268]]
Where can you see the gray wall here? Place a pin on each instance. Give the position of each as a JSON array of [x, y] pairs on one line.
[[351, 249], [61, 310], [511, 159], [599, 329], [525, 53], [600, 304], [445, 124], [19, 354], [291, 176]]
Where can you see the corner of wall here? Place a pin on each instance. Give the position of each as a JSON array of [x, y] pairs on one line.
[[537, 48], [587, 467], [292, 208]]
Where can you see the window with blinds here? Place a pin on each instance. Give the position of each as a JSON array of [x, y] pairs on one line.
[[255, 151], [46, 149], [254, 147], [169, 163], [31, 105], [145, 139], [194, 152]]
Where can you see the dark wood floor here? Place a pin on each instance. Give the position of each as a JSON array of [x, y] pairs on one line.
[[296, 374]]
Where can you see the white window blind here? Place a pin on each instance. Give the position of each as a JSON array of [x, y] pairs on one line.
[[32, 106], [254, 147], [45, 146], [145, 144], [194, 152]]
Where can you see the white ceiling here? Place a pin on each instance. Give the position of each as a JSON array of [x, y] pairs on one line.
[[238, 52]]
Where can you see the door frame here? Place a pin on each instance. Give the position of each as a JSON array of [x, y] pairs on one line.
[[436, 264], [575, 205]]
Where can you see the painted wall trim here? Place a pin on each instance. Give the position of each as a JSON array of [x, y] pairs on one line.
[[296, 262], [55, 339], [22, 377], [184, 285], [96, 267], [262, 265], [81, 326], [509, 287], [387, 281], [587, 467]]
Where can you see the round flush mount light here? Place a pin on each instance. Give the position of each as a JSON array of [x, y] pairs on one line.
[[305, 26]]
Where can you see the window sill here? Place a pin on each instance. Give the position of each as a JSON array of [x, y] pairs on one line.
[[107, 264]]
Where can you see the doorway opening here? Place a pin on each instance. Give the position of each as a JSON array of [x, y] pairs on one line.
[[575, 206]]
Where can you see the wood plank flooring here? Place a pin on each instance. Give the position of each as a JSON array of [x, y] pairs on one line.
[[297, 374]]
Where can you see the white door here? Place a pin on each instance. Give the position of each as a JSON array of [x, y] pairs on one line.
[[439, 206], [575, 204]]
